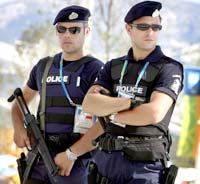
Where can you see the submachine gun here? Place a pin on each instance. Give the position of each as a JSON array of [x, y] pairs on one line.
[[39, 147]]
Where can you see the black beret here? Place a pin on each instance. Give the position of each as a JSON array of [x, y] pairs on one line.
[[145, 8], [72, 14]]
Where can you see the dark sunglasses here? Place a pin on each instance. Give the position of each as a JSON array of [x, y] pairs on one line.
[[145, 27], [72, 30]]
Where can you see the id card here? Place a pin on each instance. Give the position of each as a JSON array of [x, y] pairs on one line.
[[83, 121], [125, 95]]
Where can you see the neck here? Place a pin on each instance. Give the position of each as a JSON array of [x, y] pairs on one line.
[[72, 56], [141, 54]]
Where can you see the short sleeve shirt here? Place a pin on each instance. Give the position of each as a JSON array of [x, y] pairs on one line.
[[88, 74], [169, 80]]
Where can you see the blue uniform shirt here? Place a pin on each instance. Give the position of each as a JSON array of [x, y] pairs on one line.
[[169, 79], [77, 84], [88, 74]]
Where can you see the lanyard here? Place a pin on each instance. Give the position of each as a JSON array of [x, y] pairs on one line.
[[63, 84], [139, 77]]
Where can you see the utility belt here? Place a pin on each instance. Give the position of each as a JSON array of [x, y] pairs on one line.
[[136, 148], [60, 142]]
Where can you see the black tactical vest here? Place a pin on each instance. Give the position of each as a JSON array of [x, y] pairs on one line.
[[142, 93], [59, 113]]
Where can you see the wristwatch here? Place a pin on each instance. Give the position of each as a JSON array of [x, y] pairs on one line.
[[70, 154], [134, 103]]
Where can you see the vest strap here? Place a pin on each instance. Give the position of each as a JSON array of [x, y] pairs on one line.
[[76, 65], [59, 118], [43, 97], [60, 101]]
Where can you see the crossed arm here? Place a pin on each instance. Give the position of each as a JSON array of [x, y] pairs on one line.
[[145, 114]]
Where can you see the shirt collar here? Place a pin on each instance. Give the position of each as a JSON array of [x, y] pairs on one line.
[[154, 56]]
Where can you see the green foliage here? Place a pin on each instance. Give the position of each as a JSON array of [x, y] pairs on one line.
[[33, 34], [186, 142], [36, 36]]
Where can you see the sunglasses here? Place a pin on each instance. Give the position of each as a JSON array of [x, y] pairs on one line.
[[145, 27], [72, 30]]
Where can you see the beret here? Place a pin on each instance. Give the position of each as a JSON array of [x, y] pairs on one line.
[[145, 8], [72, 13]]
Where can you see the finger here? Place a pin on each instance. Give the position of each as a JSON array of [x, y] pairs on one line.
[[62, 172], [27, 143], [67, 172]]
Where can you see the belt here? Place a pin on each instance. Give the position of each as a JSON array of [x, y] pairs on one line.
[[60, 142], [135, 148], [139, 138], [117, 143]]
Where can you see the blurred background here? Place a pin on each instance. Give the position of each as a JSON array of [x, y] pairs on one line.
[[27, 34]]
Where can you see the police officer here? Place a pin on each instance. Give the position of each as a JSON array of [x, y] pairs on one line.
[[138, 93], [61, 83]]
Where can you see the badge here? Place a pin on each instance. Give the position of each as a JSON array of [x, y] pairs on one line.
[[73, 16], [156, 13], [175, 86], [82, 121]]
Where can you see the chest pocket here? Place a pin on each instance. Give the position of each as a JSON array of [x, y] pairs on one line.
[[131, 74], [150, 74]]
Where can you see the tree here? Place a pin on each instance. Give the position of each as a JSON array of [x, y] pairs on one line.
[[109, 35]]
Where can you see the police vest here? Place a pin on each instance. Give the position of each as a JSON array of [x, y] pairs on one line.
[[59, 113], [142, 93]]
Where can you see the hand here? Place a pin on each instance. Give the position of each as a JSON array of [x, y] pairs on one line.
[[101, 90], [21, 138], [65, 165], [113, 119]]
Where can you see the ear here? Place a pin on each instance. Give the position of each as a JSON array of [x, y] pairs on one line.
[[87, 30], [128, 29]]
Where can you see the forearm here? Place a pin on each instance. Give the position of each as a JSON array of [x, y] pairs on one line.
[[148, 113], [17, 119], [20, 132], [102, 105], [140, 116], [20, 137], [84, 145]]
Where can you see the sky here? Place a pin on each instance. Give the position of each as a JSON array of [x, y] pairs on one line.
[[195, 1], [7, 1]]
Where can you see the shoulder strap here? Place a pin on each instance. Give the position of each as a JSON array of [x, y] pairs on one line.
[[76, 65], [117, 64], [43, 97], [116, 67]]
